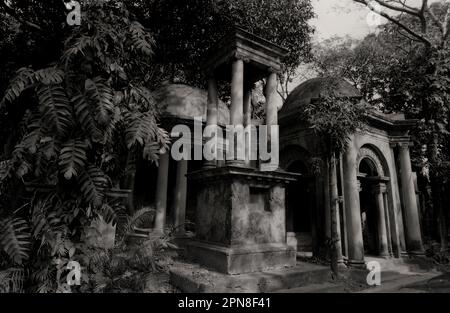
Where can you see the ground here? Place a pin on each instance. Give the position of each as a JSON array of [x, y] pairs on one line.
[[405, 275]]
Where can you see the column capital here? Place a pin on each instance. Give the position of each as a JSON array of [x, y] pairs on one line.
[[379, 188], [401, 144], [358, 184], [241, 56]]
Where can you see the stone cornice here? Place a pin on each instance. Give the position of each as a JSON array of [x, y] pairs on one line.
[[206, 176]]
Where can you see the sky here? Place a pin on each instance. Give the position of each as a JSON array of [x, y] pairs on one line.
[[344, 18]]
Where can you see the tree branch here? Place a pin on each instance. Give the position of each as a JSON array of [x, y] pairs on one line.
[[403, 8], [10, 11], [420, 37]]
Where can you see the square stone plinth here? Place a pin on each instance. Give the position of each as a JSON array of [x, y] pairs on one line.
[[237, 260], [240, 220]]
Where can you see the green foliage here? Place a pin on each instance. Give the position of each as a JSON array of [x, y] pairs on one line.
[[78, 118], [15, 239], [92, 181], [335, 118], [185, 31]]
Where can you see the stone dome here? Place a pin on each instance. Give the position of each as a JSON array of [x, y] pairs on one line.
[[187, 102], [314, 88]]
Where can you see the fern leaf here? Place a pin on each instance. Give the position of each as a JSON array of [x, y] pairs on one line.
[[49, 76], [142, 128], [98, 91], [11, 280], [142, 41], [15, 239], [56, 107], [72, 158], [85, 118], [92, 181], [151, 151], [21, 81], [138, 219]]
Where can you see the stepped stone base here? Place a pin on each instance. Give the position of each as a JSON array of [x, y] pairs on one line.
[[193, 278], [238, 260]]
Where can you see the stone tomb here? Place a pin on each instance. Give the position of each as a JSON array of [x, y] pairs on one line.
[[240, 211], [241, 220]]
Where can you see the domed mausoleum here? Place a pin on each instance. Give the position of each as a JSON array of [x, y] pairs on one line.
[[378, 211]]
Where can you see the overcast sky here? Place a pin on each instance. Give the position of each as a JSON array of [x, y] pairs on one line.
[[343, 17]]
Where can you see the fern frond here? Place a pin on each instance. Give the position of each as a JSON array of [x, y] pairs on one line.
[[11, 280], [85, 118], [72, 158], [21, 81], [78, 47], [142, 41], [92, 181], [56, 107], [151, 151], [141, 129], [15, 239], [49, 76], [98, 91], [111, 213], [139, 218]]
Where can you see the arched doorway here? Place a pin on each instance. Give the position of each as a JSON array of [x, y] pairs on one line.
[[299, 207], [373, 204], [368, 207]]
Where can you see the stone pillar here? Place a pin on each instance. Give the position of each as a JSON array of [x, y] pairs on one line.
[[388, 223], [247, 122], [411, 213], [161, 193], [271, 119], [379, 191], [271, 107], [352, 208], [237, 104], [212, 113], [180, 197]]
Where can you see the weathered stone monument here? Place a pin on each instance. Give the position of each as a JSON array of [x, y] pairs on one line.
[[240, 223]]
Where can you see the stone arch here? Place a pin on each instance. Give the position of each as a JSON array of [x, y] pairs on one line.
[[375, 209], [376, 158], [294, 153]]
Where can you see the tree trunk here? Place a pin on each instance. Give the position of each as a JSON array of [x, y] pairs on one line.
[[436, 185], [336, 252], [442, 218]]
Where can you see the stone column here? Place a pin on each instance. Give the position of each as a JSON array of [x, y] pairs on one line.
[[352, 208], [247, 122], [180, 197], [388, 223], [271, 115], [379, 191], [271, 107], [161, 193], [411, 213], [237, 105], [212, 113]]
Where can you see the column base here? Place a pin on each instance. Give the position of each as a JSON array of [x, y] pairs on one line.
[[239, 163], [242, 259], [416, 253], [209, 165], [361, 264]]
